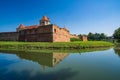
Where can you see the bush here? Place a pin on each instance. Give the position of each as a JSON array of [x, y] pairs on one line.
[[118, 40], [75, 39]]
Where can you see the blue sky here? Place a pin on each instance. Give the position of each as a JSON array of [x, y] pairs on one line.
[[79, 16]]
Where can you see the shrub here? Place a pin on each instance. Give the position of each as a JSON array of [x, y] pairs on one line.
[[75, 39], [118, 40]]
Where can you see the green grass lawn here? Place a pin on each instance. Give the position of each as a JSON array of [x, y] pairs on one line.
[[55, 45]]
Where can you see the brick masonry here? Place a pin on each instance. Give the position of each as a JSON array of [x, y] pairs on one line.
[[44, 32], [9, 36]]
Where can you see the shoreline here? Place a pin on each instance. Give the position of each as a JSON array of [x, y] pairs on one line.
[[54, 51], [53, 46]]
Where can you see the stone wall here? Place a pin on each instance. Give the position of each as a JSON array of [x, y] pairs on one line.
[[46, 33], [74, 36], [60, 34], [9, 36], [58, 57], [41, 34], [84, 38]]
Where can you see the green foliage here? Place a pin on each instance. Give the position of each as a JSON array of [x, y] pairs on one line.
[[80, 35], [90, 36], [55, 46], [116, 34], [117, 41], [52, 51], [96, 36], [74, 39]]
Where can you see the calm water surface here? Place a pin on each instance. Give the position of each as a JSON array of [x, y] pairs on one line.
[[98, 65]]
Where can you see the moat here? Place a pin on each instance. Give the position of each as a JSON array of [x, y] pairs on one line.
[[95, 65]]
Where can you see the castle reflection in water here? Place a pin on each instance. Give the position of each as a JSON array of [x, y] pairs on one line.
[[44, 59]]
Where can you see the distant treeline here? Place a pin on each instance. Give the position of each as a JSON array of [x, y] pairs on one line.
[[116, 35], [102, 36], [95, 36]]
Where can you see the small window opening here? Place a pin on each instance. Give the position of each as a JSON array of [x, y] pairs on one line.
[[55, 30]]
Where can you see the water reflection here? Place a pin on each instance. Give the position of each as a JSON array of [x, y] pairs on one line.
[[45, 59], [49, 58], [62, 74], [98, 65], [117, 51]]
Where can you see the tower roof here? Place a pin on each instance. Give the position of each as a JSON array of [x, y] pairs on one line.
[[44, 18], [21, 26], [32, 27]]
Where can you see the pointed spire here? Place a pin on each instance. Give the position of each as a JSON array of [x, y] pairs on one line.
[[44, 21], [44, 18], [21, 26]]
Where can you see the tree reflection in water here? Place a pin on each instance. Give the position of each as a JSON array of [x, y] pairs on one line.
[[27, 66], [117, 51]]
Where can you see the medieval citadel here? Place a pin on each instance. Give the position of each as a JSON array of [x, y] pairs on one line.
[[43, 32]]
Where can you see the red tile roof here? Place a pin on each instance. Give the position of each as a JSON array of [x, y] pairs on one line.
[[32, 27], [21, 26], [45, 18]]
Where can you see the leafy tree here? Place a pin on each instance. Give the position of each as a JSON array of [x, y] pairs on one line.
[[116, 34], [80, 35], [96, 36], [90, 36], [103, 36]]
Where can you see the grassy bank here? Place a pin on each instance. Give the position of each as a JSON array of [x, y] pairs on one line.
[[12, 51], [117, 45], [53, 46]]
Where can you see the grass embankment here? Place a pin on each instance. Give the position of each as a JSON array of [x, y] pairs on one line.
[[53, 46], [53, 51]]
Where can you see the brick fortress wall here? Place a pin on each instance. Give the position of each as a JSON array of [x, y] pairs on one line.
[[48, 33], [60, 34], [40, 34], [44, 32], [9, 36]]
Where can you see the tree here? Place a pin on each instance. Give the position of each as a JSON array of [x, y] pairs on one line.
[[80, 35], [116, 34], [90, 36], [102, 36], [96, 36]]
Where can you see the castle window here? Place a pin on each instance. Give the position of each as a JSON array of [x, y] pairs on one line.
[[25, 32], [55, 60], [35, 30], [30, 31], [43, 23], [55, 30]]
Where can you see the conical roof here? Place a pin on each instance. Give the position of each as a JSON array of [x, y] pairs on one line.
[[21, 26], [44, 18]]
